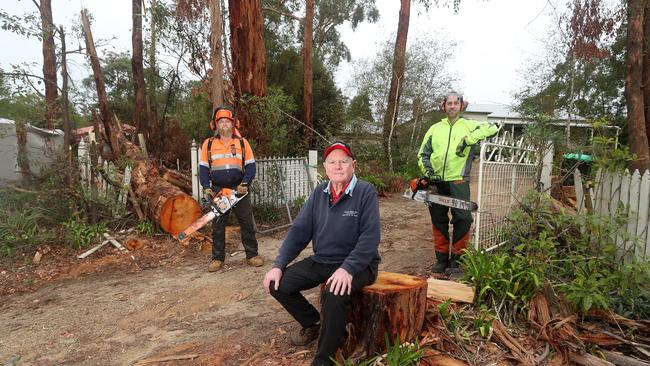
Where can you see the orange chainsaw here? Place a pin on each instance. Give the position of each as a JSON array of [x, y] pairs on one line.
[[221, 203], [425, 190]]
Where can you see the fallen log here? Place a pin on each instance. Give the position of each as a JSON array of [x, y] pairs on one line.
[[170, 207], [620, 359], [393, 305], [586, 359], [178, 179]]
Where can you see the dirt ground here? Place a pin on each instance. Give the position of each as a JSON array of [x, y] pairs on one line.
[[159, 303]]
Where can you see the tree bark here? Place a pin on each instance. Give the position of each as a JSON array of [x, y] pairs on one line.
[[137, 67], [110, 128], [638, 138], [307, 62], [68, 138], [248, 61], [646, 68], [49, 62], [395, 304], [151, 100], [216, 34], [399, 62]]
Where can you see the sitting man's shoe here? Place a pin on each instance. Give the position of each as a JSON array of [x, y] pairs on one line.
[[215, 265], [305, 335], [255, 261]]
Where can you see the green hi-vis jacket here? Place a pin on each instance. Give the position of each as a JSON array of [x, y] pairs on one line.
[[437, 156]]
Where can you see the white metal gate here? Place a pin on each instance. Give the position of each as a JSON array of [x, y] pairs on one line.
[[505, 174]]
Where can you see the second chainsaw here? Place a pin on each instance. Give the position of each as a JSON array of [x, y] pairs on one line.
[[425, 190]]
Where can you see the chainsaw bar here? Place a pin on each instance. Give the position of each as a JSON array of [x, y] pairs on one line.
[[425, 196], [218, 207]]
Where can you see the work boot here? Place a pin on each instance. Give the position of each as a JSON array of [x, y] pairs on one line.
[[255, 261], [215, 265], [305, 335], [454, 272], [442, 262]]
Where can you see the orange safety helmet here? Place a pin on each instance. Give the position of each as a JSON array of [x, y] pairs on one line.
[[223, 111]]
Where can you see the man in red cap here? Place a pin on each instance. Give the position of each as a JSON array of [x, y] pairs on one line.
[[341, 219], [227, 161]]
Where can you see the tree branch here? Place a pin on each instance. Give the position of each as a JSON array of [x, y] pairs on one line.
[[26, 75], [284, 14]]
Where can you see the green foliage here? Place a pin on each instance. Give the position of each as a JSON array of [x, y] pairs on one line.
[[379, 184], [483, 322], [450, 316], [80, 234], [578, 254], [397, 354], [299, 201], [401, 354], [502, 281], [145, 227], [19, 228]]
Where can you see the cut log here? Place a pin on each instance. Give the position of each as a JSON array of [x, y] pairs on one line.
[[170, 207], [445, 290], [586, 359], [393, 305], [620, 359]]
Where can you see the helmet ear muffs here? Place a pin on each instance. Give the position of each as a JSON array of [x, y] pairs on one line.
[[213, 125]]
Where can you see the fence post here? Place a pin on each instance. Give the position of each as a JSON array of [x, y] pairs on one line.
[[195, 177], [547, 167], [312, 163]]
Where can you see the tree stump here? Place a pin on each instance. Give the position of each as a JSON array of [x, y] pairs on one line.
[[393, 305]]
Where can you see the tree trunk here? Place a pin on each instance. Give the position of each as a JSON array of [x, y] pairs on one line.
[[307, 62], [151, 100], [215, 47], [638, 138], [68, 139], [137, 67], [22, 158], [248, 61], [399, 59], [105, 113], [395, 304], [49, 62], [646, 68]]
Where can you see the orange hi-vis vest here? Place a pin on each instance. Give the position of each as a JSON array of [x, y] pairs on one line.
[[228, 164]]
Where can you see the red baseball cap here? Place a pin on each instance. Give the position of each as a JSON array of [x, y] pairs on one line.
[[338, 145]]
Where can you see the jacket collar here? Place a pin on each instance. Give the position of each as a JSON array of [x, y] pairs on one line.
[[348, 191]]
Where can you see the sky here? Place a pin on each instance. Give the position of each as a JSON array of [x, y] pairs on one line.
[[495, 38]]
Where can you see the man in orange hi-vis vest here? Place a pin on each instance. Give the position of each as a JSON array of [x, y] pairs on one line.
[[227, 161]]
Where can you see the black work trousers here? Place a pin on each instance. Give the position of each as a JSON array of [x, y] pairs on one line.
[[244, 213], [308, 274], [460, 219]]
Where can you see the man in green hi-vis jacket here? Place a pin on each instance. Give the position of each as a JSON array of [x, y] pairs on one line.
[[445, 157]]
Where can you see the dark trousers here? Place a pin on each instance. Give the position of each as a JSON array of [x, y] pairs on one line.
[[244, 214], [461, 219], [308, 274]]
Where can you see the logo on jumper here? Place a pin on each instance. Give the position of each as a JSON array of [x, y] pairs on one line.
[[350, 213], [233, 150]]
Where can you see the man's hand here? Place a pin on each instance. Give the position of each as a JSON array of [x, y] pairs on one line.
[[340, 282], [274, 276], [208, 194], [460, 150], [242, 189]]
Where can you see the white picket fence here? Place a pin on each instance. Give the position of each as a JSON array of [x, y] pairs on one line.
[[629, 193], [102, 183]]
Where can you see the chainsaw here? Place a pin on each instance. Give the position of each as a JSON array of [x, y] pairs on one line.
[[424, 190], [221, 203]]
